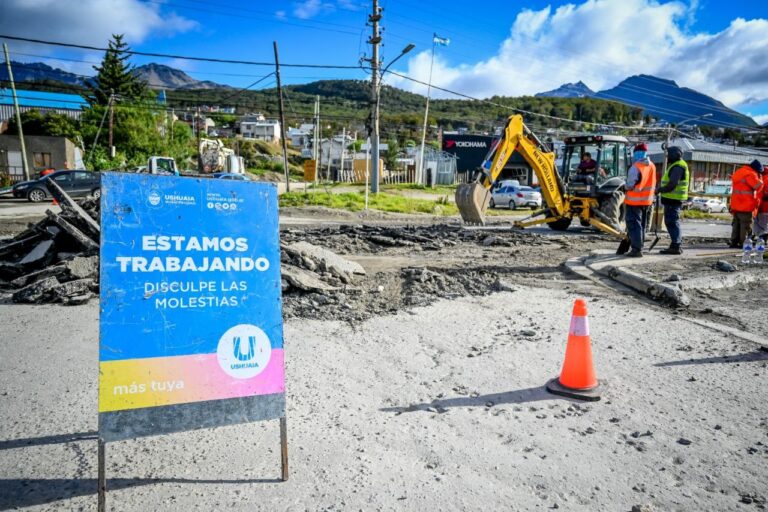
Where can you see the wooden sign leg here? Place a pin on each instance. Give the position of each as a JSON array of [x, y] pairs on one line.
[[102, 477], [284, 447]]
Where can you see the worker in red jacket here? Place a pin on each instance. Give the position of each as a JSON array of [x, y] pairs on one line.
[[746, 190], [761, 219]]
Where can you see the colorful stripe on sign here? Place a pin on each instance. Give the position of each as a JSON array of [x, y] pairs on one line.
[[152, 382]]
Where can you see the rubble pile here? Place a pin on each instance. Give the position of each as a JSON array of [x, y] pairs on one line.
[[373, 239], [55, 260], [311, 268]]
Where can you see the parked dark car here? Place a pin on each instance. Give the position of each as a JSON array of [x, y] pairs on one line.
[[77, 183]]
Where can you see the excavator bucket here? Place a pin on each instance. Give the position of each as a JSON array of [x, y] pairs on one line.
[[472, 200]]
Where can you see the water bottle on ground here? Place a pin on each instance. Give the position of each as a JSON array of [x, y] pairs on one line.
[[759, 251], [747, 251]]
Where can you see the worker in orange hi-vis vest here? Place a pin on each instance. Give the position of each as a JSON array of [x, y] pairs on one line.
[[641, 186], [761, 220], [746, 190]]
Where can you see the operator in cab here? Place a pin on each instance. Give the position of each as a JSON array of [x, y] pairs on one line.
[[588, 167]]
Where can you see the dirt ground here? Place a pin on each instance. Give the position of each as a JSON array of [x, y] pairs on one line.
[[420, 386]]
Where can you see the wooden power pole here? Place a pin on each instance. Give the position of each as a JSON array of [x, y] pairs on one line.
[[282, 119], [24, 162]]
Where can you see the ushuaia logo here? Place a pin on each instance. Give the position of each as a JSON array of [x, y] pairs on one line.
[[154, 198], [247, 354], [244, 351]]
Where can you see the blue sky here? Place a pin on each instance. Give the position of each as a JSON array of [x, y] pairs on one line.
[[497, 47]]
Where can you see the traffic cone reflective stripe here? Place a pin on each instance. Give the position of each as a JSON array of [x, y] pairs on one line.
[[577, 378]]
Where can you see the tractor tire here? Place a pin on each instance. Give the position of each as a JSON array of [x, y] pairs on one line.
[[613, 208], [560, 224]]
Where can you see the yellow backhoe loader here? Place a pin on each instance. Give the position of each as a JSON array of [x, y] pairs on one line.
[[596, 198]]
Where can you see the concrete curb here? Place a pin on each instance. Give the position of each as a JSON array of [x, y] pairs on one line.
[[666, 293], [579, 266]]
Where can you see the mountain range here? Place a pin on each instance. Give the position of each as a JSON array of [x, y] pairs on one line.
[[660, 98], [158, 76], [577, 90]]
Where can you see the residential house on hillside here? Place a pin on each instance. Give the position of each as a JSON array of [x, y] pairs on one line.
[[708, 161], [301, 137], [256, 126], [335, 148], [70, 105], [205, 124]]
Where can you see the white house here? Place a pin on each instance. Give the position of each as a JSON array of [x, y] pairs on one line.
[[334, 148], [267, 130], [301, 137]]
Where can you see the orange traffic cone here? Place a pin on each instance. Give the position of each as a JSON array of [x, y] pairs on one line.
[[577, 380], [55, 202]]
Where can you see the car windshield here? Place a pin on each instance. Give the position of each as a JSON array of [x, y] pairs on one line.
[[526, 189]]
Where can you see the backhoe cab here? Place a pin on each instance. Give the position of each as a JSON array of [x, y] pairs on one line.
[[606, 181], [596, 197]]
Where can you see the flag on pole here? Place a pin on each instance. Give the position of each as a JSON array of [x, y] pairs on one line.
[[442, 41]]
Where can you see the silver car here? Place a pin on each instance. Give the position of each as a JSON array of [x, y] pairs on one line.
[[513, 197]]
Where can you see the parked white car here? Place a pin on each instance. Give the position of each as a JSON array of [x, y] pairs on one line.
[[709, 205], [515, 196]]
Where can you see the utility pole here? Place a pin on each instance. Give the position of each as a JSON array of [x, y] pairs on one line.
[[343, 147], [421, 175], [111, 122], [375, 40], [317, 137], [282, 119], [24, 162], [197, 131]]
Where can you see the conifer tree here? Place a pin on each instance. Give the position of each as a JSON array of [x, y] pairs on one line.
[[115, 75]]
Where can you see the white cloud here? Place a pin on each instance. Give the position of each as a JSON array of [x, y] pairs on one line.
[[88, 22], [308, 9], [604, 41], [761, 119]]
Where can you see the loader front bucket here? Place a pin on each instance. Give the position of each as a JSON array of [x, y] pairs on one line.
[[472, 200]]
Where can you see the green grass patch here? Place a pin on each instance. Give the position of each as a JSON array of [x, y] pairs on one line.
[[698, 214], [355, 202], [440, 189]]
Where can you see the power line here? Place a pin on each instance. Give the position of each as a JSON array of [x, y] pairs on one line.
[[170, 56]]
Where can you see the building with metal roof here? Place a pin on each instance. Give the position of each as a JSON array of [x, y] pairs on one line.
[[70, 105], [708, 161]]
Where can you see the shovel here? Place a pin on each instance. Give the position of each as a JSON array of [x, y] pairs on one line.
[[656, 222], [624, 246]]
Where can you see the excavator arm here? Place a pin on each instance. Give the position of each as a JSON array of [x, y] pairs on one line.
[[472, 199]]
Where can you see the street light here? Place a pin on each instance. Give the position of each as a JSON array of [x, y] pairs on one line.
[[375, 139], [657, 210], [669, 133]]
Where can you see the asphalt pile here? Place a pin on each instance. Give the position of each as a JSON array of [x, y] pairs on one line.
[[362, 239], [56, 259]]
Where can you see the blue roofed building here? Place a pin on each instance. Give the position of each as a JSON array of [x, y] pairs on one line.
[[71, 105]]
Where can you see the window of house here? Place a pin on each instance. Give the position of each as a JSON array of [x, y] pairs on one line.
[[41, 160]]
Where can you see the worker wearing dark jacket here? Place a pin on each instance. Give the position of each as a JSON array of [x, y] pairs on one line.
[[746, 191], [673, 191]]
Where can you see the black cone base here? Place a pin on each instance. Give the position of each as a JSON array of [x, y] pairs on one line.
[[588, 395]]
